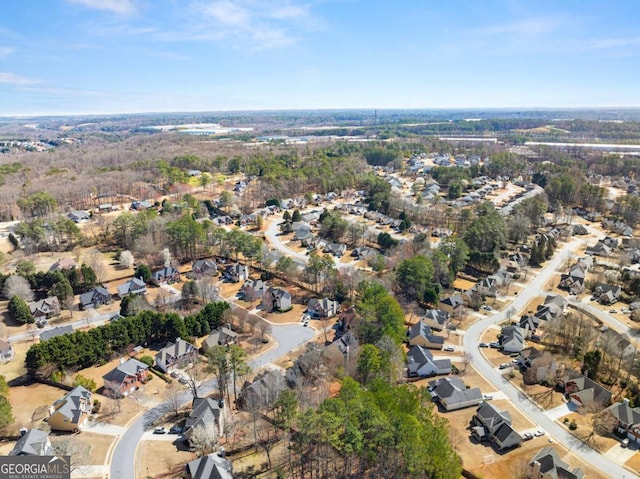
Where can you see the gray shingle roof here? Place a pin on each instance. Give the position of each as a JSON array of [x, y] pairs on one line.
[[32, 443], [128, 368], [210, 467]]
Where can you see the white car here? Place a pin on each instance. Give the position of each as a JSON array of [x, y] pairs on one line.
[[539, 433], [449, 348]]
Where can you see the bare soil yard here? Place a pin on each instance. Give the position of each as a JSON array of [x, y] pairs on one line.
[[26, 400], [160, 457]]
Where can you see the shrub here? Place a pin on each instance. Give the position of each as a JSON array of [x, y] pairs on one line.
[[573, 426], [148, 360]]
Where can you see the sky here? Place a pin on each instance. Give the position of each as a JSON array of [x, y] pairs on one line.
[[131, 56]]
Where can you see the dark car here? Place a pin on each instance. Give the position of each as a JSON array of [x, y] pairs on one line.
[[175, 430]]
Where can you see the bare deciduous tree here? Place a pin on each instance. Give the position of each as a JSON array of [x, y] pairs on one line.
[[96, 261], [208, 289], [78, 452], [204, 438], [264, 328], [16, 285]]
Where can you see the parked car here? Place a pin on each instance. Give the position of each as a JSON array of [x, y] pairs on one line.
[[527, 435], [494, 345], [539, 433], [504, 366], [487, 397], [175, 430], [625, 442], [159, 430], [483, 345], [449, 348], [613, 311]]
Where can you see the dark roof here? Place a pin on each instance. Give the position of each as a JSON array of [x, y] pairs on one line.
[[210, 467], [32, 443], [128, 368], [205, 411], [59, 331], [624, 413]]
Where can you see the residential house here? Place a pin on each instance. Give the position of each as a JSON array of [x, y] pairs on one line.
[[583, 391], [126, 377], [166, 275], [529, 324], [141, 205], [206, 413], [599, 249], [436, 319], [62, 264], [211, 466], [203, 267], [627, 420], [420, 363], [363, 253], [6, 351], [133, 286], [420, 334], [176, 355], [236, 273], [220, 337], [32, 442], [44, 309], [553, 307], [453, 394], [512, 339], [80, 216], [253, 289], [59, 331], [546, 464], [70, 412], [452, 304], [264, 390], [95, 297], [574, 280], [276, 299], [323, 308], [606, 293], [345, 320], [491, 424], [336, 249]]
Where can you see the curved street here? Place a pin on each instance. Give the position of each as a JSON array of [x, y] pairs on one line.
[[123, 463], [471, 339]]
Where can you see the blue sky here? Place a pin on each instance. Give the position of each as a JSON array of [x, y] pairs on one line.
[[125, 56]]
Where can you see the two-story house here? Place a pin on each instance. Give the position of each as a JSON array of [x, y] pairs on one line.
[[70, 412], [176, 355], [126, 377]]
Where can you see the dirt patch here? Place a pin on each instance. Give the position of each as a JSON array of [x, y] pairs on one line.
[[159, 457], [97, 445], [532, 305], [634, 462], [583, 421], [26, 400]]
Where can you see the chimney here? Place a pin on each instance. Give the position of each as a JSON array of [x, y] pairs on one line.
[[535, 470], [221, 452], [625, 401]]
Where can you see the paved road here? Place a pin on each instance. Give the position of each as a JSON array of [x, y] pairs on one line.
[[608, 320], [94, 320], [522, 403], [287, 336]]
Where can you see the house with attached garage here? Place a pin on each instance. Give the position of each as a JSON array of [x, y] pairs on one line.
[[323, 308], [436, 319], [32, 442], [133, 286], [80, 216], [45, 308], [452, 304], [220, 337], [166, 275], [253, 289], [207, 413], [582, 391], [63, 264], [607, 293], [236, 272], [489, 423], [203, 267], [420, 363], [94, 298], [512, 339], [626, 420], [420, 334], [453, 394], [125, 378], [176, 355], [276, 299], [70, 412], [546, 464]]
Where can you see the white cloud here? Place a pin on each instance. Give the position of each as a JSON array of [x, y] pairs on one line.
[[14, 79], [529, 27], [121, 7], [614, 43], [256, 25]]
